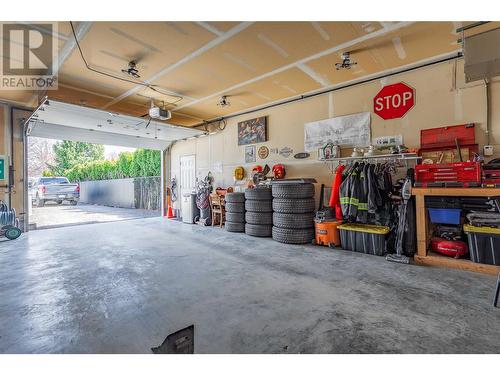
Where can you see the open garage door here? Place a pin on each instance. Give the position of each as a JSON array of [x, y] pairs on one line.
[[58, 120]]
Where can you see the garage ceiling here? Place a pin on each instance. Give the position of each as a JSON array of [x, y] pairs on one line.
[[254, 63], [58, 120]]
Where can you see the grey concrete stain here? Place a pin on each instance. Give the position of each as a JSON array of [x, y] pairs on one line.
[[122, 287]]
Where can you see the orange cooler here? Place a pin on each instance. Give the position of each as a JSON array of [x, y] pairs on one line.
[[327, 233]]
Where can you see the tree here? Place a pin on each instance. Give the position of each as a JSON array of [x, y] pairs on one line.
[[40, 156], [68, 154], [140, 163]]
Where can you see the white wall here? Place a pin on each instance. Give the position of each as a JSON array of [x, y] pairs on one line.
[[442, 98]]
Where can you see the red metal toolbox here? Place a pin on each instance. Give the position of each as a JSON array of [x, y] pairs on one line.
[[445, 136], [466, 174], [491, 177]]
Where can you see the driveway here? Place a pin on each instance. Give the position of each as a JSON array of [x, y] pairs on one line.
[[53, 215]]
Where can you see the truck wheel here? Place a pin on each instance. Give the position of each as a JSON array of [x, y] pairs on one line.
[[293, 221], [234, 227], [258, 194], [293, 191], [235, 207], [293, 236], [257, 230], [73, 203], [235, 217], [293, 206], [235, 198], [259, 206], [260, 218]]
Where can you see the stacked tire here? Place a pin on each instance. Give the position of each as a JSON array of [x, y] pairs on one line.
[[293, 217], [259, 212], [235, 212]]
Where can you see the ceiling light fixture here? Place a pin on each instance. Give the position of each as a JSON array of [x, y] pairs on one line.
[[346, 63], [224, 101], [132, 70]]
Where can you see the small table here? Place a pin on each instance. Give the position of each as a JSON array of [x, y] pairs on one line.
[[424, 230]]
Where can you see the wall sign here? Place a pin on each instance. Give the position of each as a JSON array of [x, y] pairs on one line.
[[252, 131], [394, 101], [301, 155], [350, 130], [286, 152], [249, 154], [263, 152]]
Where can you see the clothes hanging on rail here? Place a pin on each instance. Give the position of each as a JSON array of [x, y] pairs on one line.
[[334, 196], [365, 193], [349, 194]]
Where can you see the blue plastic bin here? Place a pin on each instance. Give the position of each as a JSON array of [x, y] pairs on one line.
[[445, 215]]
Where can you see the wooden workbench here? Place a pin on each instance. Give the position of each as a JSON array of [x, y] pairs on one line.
[[424, 229]]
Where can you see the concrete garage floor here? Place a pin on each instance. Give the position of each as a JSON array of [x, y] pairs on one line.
[[122, 287], [53, 215]]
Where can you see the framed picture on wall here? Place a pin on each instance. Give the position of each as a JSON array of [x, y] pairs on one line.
[[250, 154], [252, 131]]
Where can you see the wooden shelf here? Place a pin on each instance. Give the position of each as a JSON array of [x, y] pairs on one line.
[[424, 229], [405, 156], [457, 192], [434, 259]]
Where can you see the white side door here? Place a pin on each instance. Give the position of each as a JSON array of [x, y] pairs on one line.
[[187, 174]]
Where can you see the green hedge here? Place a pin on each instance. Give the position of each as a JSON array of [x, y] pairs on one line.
[[140, 163]]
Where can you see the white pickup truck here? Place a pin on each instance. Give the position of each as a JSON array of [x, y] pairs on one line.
[[55, 189]]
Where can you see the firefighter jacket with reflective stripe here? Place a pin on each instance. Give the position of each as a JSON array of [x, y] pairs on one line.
[[349, 194]]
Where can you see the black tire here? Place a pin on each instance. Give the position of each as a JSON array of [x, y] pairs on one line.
[[259, 206], [294, 206], [234, 227], [293, 191], [260, 218], [13, 233], [293, 221], [73, 203], [235, 207], [235, 198], [259, 230], [235, 217], [293, 236], [59, 202], [259, 194]]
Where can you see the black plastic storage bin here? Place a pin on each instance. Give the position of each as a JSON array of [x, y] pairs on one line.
[[443, 202], [363, 238], [484, 244]]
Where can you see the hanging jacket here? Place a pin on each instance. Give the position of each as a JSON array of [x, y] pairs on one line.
[[362, 212], [335, 195], [350, 193], [374, 199]]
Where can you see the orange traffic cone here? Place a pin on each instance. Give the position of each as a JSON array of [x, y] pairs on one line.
[[170, 212]]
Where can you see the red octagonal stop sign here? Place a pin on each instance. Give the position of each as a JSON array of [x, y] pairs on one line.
[[394, 101]]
